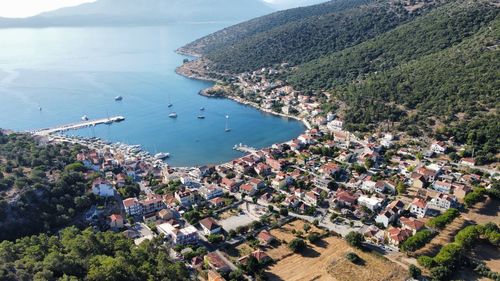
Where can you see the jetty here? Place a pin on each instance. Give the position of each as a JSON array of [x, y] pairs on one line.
[[77, 126], [245, 148]]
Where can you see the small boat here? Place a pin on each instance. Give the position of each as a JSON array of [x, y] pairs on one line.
[[201, 117], [162, 155], [227, 129], [172, 115], [85, 118], [118, 98], [202, 108], [170, 105]]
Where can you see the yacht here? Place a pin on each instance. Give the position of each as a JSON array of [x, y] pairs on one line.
[[118, 98], [85, 118], [162, 155], [172, 115]]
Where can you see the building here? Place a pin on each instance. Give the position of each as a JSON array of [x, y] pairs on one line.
[[210, 226], [411, 224], [443, 201], [372, 203], [396, 236], [210, 192], [132, 206], [216, 262], [180, 236], [442, 186], [418, 207], [102, 188], [185, 198], [439, 147], [248, 189], [265, 237], [116, 221], [386, 217], [471, 162], [152, 204]]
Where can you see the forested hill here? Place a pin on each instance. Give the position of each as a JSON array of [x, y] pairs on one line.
[[424, 67]]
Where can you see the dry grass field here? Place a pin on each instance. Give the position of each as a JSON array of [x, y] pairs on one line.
[[326, 260]]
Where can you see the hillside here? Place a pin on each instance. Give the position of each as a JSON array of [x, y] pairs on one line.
[[40, 190], [128, 12], [244, 30], [430, 69]]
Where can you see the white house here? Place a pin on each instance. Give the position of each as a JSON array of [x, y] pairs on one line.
[[372, 203], [182, 236], [386, 217], [418, 207], [443, 201], [439, 147], [210, 192], [210, 226], [132, 206]]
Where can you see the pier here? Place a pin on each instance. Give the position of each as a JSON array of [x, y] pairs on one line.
[[79, 125], [245, 148]]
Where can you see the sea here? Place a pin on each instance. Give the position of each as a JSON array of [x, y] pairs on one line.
[[54, 76]]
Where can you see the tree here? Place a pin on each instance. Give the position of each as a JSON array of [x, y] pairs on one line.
[[369, 163], [355, 239], [440, 273], [353, 257], [306, 227], [414, 271], [296, 245], [401, 188], [284, 212], [313, 237]]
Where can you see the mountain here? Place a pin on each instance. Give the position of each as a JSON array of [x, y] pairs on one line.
[[133, 12], [429, 68]]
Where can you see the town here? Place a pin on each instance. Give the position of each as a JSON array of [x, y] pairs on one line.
[[235, 220]]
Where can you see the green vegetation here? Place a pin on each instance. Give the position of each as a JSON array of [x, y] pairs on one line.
[[42, 186], [475, 196], [353, 257], [355, 239], [414, 271], [417, 241], [452, 255], [86, 255], [442, 220], [297, 245]]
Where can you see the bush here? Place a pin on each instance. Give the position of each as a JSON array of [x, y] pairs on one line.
[[414, 271], [444, 219], [440, 273], [355, 239], [215, 238], [426, 261], [476, 196], [313, 237], [417, 241], [297, 245], [352, 257]]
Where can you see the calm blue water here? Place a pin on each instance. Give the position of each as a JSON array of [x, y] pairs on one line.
[[70, 72]]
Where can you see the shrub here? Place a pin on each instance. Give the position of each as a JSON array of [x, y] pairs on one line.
[[414, 271], [297, 245], [352, 257], [354, 238], [313, 237], [444, 219], [425, 261], [417, 241]]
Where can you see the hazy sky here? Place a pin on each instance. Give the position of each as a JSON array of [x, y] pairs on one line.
[[26, 8]]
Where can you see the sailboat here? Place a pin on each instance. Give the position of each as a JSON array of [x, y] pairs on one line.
[[227, 129], [169, 102], [172, 115]]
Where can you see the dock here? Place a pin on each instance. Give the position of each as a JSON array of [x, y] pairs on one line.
[[245, 148], [77, 126]]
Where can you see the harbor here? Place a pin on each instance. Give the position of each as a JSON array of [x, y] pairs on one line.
[[77, 126]]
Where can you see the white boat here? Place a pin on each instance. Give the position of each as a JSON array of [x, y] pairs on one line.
[[162, 155], [202, 108], [227, 129], [201, 117], [85, 118], [118, 98], [172, 115], [170, 105]]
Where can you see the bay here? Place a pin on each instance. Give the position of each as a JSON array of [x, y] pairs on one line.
[[71, 72]]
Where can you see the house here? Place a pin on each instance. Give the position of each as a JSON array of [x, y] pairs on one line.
[[229, 184], [102, 188], [291, 201], [132, 206], [214, 276], [152, 204], [418, 180], [386, 217], [368, 185], [439, 147], [418, 207], [257, 183], [345, 199], [179, 236], [216, 202], [461, 190], [275, 165], [443, 201], [168, 214], [411, 224], [265, 237], [184, 198], [471, 162], [262, 169], [330, 169], [442, 186], [248, 189], [210, 192], [373, 233], [258, 254], [210, 226], [116, 221], [380, 187], [149, 217], [372, 203], [396, 236], [214, 261], [311, 198]]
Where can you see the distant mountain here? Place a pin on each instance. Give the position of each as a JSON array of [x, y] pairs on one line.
[[133, 12]]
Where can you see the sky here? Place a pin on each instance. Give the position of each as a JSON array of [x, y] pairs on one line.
[[27, 8]]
